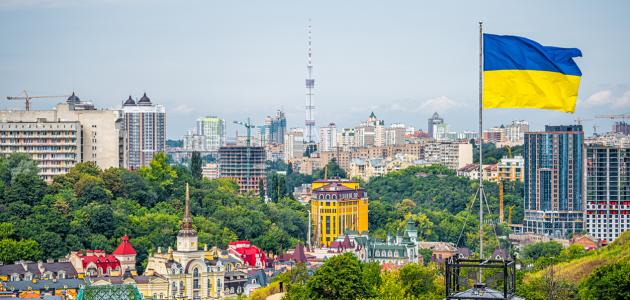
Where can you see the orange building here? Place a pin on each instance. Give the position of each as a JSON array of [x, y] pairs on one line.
[[336, 206]]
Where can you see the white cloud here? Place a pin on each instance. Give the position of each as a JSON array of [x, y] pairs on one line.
[[441, 103], [624, 100], [609, 98], [599, 98], [183, 109]]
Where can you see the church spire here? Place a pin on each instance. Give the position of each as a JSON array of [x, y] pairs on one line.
[[187, 236], [187, 221]]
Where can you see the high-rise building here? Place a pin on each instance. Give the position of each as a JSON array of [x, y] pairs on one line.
[[345, 138], [328, 137], [516, 131], [72, 132], [365, 133], [495, 135], [194, 141], [213, 129], [337, 206], [278, 128], [554, 181], [441, 132], [394, 136], [294, 144], [244, 164], [607, 190], [621, 127], [145, 128], [364, 136], [435, 119]]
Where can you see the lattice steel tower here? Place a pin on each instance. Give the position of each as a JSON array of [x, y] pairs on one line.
[[310, 85]]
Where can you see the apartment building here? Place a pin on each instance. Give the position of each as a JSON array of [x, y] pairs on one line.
[[54, 146]]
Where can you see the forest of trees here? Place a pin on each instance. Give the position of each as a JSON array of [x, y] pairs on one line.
[[90, 208], [437, 201]]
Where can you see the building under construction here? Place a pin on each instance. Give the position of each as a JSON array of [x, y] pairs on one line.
[[244, 164]]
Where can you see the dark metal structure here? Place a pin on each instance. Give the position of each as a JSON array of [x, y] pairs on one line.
[[109, 292], [498, 279]]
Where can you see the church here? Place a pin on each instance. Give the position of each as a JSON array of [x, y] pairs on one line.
[[189, 273]]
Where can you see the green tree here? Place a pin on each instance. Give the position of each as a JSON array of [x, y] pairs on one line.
[[11, 250], [546, 249], [196, 165], [6, 230], [391, 288], [340, 277], [372, 278], [261, 188], [418, 281], [331, 170], [160, 174], [90, 188], [25, 187], [607, 282]]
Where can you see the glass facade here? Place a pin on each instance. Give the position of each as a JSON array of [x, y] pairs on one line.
[[554, 181]]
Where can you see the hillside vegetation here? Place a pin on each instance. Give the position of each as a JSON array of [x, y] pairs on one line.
[[597, 274]]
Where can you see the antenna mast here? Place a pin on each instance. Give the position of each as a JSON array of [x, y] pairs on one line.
[[310, 85]]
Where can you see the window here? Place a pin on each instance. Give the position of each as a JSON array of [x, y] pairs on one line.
[[195, 278]]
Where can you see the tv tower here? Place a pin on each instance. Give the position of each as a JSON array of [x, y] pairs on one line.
[[310, 85]]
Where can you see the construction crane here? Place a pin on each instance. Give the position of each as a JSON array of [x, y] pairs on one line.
[[509, 220], [579, 121], [501, 201], [27, 99], [614, 117], [248, 126]]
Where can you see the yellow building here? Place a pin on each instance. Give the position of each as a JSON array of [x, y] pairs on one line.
[[336, 206]]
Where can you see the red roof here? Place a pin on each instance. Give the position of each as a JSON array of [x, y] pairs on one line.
[[101, 262], [249, 253], [125, 247]]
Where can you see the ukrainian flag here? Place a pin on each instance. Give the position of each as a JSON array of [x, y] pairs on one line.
[[521, 73]]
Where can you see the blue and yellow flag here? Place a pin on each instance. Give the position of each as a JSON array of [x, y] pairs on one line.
[[521, 73]]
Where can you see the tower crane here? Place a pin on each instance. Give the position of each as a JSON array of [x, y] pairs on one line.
[[248, 126], [579, 121], [27, 99], [614, 117]]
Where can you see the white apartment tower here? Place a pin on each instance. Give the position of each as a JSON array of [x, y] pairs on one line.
[[145, 128], [328, 137], [294, 144], [213, 129]]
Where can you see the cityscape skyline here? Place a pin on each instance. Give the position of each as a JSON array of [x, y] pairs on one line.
[[200, 64]]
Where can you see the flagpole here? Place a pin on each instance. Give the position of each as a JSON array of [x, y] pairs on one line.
[[481, 193]]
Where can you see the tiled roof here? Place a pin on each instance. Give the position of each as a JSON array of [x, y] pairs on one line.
[[24, 285], [125, 247], [32, 267]]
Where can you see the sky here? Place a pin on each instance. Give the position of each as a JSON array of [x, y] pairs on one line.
[[403, 60]]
